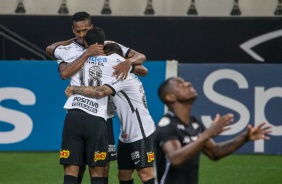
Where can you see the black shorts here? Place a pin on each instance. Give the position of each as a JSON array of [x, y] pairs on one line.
[[112, 154], [84, 140], [136, 155]]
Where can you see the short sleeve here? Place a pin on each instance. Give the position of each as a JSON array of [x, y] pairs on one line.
[[165, 131]]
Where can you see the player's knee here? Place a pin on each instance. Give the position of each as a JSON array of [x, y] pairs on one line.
[[106, 170], [146, 174], [71, 170], [125, 175]]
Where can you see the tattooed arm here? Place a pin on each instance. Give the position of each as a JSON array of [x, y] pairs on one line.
[[89, 91]]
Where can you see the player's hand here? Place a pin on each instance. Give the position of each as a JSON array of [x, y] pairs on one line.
[[95, 50], [122, 69], [68, 91], [259, 132], [219, 124]]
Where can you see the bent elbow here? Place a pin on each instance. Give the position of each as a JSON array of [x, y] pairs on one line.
[[49, 51], [145, 73], [144, 57], [63, 76]]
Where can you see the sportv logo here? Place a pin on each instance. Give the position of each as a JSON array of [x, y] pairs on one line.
[[261, 97], [22, 123]]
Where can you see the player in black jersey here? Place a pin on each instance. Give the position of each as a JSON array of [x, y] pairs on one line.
[[180, 137]]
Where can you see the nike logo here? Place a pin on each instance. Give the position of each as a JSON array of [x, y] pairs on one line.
[[113, 154], [136, 162]]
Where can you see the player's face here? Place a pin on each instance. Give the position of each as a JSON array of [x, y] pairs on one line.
[[184, 91], [80, 28]]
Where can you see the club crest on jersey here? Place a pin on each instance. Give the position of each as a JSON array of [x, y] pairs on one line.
[[164, 121], [64, 153]]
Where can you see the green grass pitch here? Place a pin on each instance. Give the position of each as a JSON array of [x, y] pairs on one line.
[[44, 168]]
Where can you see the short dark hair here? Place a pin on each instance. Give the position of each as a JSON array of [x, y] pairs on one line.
[[80, 16], [112, 48], [164, 89], [95, 35]]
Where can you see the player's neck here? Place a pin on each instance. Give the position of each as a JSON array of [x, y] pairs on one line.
[[182, 112]]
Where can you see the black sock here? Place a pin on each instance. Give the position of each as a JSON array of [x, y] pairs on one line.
[[150, 181], [79, 179], [127, 182], [97, 180], [68, 179], [106, 180], [80, 174]]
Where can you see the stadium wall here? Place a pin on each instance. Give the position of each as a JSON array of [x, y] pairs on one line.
[[186, 39], [32, 99]]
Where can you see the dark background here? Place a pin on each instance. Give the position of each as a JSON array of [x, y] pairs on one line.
[[186, 39]]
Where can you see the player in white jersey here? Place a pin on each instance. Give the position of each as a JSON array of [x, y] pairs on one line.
[[81, 22], [135, 150]]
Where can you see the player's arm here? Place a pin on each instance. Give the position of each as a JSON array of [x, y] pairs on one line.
[[139, 70], [179, 155], [69, 69], [89, 91], [216, 151], [51, 48], [133, 58]]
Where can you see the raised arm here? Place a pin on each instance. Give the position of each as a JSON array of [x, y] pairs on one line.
[[134, 58], [51, 48], [89, 91], [139, 70], [69, 69], [178, 155], [216, 151]]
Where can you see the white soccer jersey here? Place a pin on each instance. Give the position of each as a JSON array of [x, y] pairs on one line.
[[129, 97], [89, 75], [131, 107]]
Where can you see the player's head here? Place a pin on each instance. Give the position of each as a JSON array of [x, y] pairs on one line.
[[176, 90], [95, 35], [164, 89], [112, 48], [81, 23]]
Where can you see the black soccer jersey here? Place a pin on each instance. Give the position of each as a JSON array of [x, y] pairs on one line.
[[170, 127]]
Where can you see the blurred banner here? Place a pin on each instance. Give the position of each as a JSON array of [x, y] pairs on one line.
[[252, 92], [186, 39], [32, 99]]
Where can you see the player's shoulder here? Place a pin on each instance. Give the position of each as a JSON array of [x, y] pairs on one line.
[[166, 121], [115, 57], [71, 47]]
